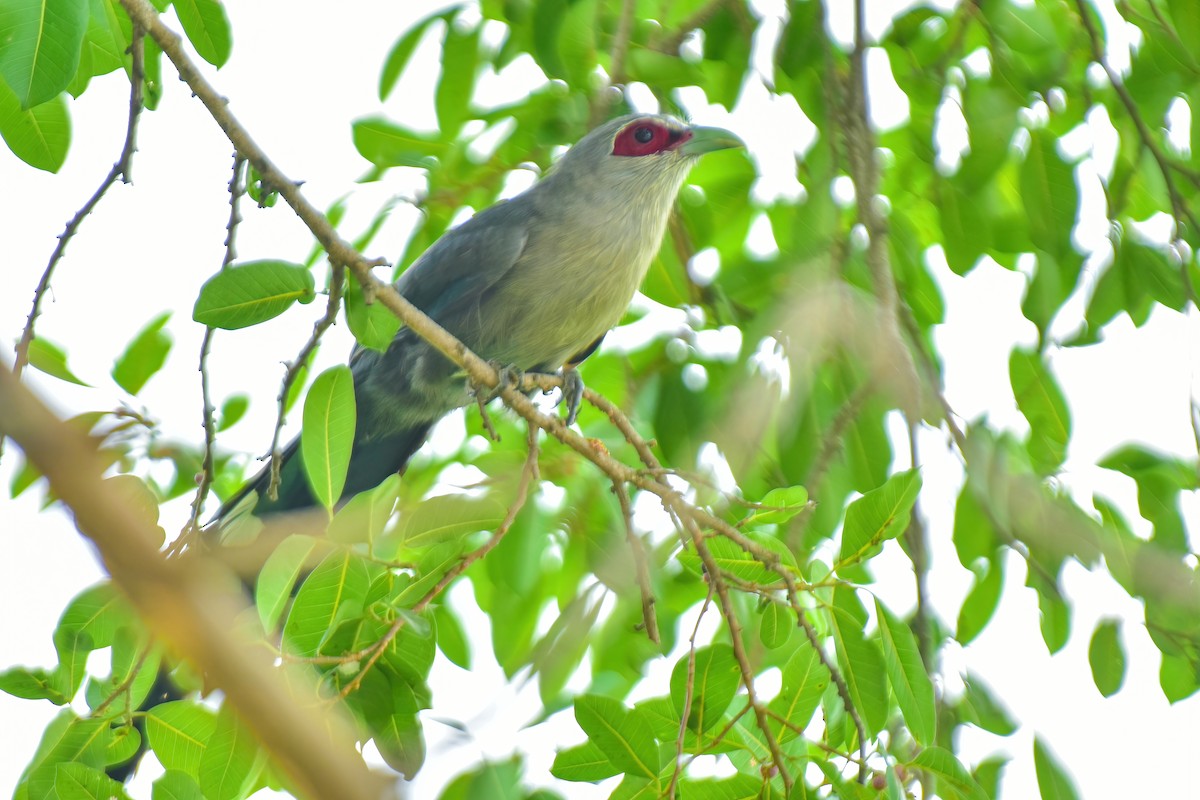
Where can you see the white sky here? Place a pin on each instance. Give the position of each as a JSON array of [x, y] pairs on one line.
[[152, 244]]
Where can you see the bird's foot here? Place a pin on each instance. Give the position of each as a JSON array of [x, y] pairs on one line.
[[572, 392], [510, 376]]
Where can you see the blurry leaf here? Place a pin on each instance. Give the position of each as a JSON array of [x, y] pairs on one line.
[[232, 410], [207, 28], [1055, 620], [877, 516], [906, 672], [144, 356], [451, 638], [386, 144], [1053, 781], [328, 433], [398, 57], [953, 780], [981, 601], [621, 734], [460, 63], [1050, 196], [401, 742], [981, 708], [974, 534], [40, 135], [1041, 401], [1186, 16], [178, 732], [275, 582], [50, 359], [714, 681], [41, 41], [1107, 657], [250, 293], [363, 518]]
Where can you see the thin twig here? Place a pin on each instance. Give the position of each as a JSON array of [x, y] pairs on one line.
[[337, 280], [207, 474], [122, 169], [641, 566], [687, 696], [918, 552]]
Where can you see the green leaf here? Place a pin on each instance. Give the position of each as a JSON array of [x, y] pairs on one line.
[[373, 325], [32, 684], [401, 742], [584, 762], [974, 536], [781, 505], [714, 682], [1053, 781], [981, 601], [446, 517], [1050, 196], [398, 57], [250, 293], [81, 782], [981, 708], [333, 593], [328, 433], [1186, 16], [386, 144], [232, 410], [1055, 621], [1042, 403], [861, 662], [731, 558], [621, 734], [230, 763], [1107, 657], [364, 517], [144, 356], [177, 732], [207, 28], [451, 638], [775, 625], [953, 780], [51, 359], [804, 681], [278, 576], [877, 516], [41, 45], [176, 785], [460, 65], [40, 135], [907, 675]]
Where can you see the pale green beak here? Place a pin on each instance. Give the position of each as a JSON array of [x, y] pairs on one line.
[[707, 140]]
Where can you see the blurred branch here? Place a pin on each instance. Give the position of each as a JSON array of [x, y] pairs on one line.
[[642, 568], [184, 605], [688, 695]]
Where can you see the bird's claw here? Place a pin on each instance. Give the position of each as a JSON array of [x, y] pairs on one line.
[[572, 393]]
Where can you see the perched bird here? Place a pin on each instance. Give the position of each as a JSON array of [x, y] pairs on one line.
[[533, 283]]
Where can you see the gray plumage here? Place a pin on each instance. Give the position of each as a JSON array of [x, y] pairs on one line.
[[533, 282]]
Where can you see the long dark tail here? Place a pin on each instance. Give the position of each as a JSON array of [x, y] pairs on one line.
[[371, 461]]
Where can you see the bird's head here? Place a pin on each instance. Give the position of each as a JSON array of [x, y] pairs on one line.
[[642, 153]]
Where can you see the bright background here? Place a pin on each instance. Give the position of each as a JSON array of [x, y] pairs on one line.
[[297, 77]]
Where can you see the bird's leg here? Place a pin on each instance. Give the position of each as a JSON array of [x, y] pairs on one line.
[[510, 375], [572, 392]]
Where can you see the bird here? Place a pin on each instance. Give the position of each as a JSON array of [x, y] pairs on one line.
[[532, 283]]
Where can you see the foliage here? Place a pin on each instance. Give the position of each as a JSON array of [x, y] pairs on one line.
[[793, 580]]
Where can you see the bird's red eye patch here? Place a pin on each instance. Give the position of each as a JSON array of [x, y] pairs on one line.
[[645, 137]]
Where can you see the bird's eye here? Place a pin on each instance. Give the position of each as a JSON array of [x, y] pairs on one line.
[[643, 135]]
